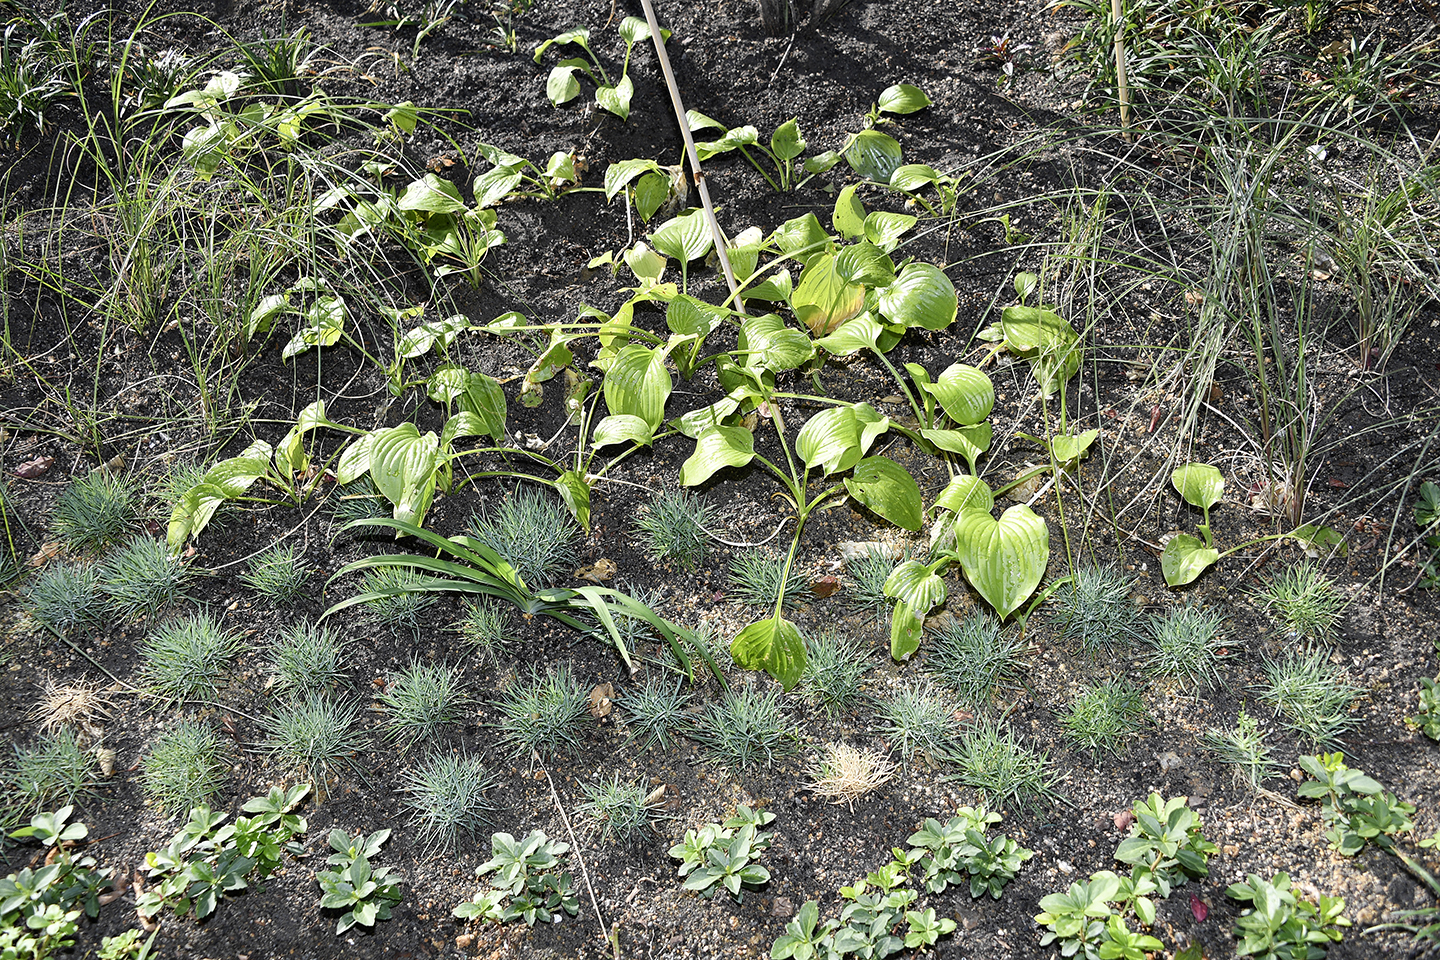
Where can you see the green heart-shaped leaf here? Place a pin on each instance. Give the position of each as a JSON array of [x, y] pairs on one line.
[[717, 448], [888, 489], [1200, 484], [1004, 560], [772, 645], [830, 439], [1185, 558], [965, 392], [922, 296]]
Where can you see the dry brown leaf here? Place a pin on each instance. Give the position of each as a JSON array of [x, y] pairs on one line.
[[34, 467], [598, 572]]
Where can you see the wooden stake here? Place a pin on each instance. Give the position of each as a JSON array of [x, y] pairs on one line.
[[692, 156], [1120, 77]]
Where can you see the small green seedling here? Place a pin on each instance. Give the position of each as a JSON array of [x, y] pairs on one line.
[[562, 86], [364, 893], [1185, 557], [786, 146], [723, 855], [1278, 925], [528, 885]]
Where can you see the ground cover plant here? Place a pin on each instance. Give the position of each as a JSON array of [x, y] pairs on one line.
[[994, 448]]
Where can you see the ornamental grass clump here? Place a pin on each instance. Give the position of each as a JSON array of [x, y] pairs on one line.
[[673, 527], [1096, 611], [976, 658], [533, 532], [141, 578], [186, 658], [1303, 602], [446, 795], [66, 597], [185, 768], [542, 714], [94, 512], [421, 701], [307, 658], [746, 728]]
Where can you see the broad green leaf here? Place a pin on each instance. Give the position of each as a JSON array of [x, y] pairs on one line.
[[561, 86], [686, 237], [821, 162], [970, 442], [787, 143], [849, 215], [779, 287], [922, 296], [696, 422], [617, 99], [697, 122], [620, 173], [580, 36], [1068, 449], [1185, 558], [830, 440], [965, 392], [1200, 484], [290, 457], [852, 336], [355, 461], [621, 428], [651, 192], [265, 312], [912, 176], [884, 229], [964, 491], [802, 238], [461, 425], [430, 194], [687, 315], [192, 512], [635, 30], [887, 489], [484, 397], [446, 383], [744, 253], [1045, 339], [645, 263], [1003, 560], [403, 465], [639, 383], [866, 264], [906, 629], [575, 494], [419, 340], [235, 475], [772, 645], [902, 98], [914, 583], [766, 342], [716, 448], [873, 155], [495, 185], [824, 299], [326, 323]]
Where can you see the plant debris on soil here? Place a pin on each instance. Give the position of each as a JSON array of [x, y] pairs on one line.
[[219, 217]]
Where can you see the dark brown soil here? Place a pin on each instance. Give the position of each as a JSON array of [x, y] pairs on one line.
[[1019, 140]]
